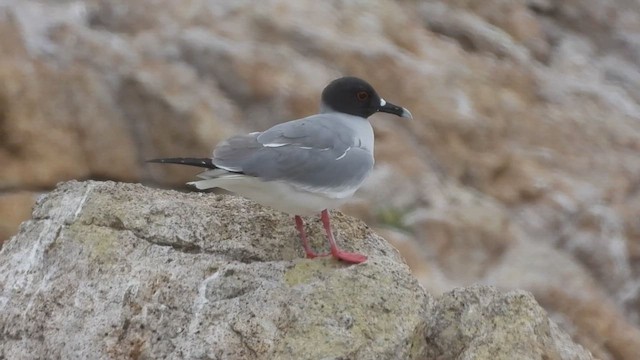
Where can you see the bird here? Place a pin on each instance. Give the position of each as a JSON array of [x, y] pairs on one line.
[[305, 166]]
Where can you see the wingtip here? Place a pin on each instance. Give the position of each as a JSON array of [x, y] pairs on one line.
[[199, 162]]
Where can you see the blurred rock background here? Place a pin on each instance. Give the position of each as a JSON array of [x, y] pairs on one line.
[[521, 168]]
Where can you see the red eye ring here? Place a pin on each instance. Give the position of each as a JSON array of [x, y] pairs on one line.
[[362, 95]]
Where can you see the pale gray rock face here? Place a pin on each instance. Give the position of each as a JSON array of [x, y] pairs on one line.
[[107, 270], [482, 322]]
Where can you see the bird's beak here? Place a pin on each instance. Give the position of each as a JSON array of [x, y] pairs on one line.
[[394, 109]]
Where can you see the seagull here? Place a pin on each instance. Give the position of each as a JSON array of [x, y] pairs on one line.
[[305, 166]]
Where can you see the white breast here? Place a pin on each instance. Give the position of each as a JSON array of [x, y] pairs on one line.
[[278, 195]]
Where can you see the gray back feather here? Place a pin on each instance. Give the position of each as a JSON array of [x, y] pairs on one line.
[[316, 151]]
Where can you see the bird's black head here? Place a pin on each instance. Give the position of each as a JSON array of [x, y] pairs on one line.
[[354, 96]]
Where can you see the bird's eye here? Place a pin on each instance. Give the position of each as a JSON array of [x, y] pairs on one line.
[[362, 95]]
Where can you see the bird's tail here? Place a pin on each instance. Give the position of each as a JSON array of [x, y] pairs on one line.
[[213, 176], [199, 162]]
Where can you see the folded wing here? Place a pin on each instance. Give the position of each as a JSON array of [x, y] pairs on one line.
[[306, 152]]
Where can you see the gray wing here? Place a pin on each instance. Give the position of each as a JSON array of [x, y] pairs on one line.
[[312, 152]]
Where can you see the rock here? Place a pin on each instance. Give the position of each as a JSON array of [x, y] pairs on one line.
[[124, 271], [467, 237], [471, 32], [484, 323], [561, 284], [113, 270]]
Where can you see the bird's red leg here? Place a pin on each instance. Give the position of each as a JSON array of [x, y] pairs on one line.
[[335, 251], [305, 242]]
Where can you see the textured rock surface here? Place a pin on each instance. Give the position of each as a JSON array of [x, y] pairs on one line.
[[121, 271], [106, 270], [484, 323], [524, 148]]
